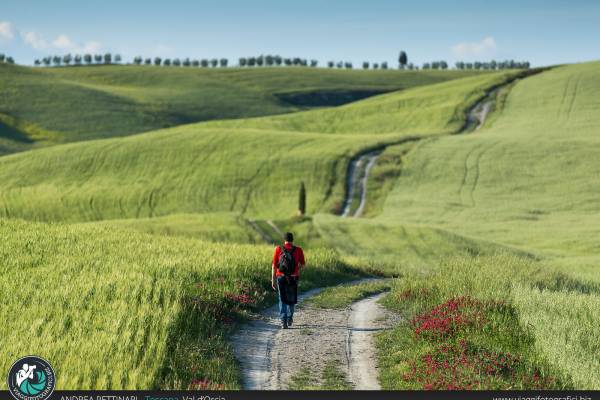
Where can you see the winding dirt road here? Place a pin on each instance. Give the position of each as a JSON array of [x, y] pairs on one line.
[[270, 356]]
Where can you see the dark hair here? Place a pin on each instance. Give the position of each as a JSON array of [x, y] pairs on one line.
[[288, 237]]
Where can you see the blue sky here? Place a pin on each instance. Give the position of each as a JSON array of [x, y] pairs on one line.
[[543, 32]]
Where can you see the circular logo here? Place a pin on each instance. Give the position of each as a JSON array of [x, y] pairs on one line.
[[31, 378]]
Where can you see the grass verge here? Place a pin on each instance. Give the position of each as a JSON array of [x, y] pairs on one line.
[[343, 296]]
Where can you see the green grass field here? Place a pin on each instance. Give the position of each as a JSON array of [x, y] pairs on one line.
[[218, 167], [496, 227], [91, 298], [524, 185], [53, 105]]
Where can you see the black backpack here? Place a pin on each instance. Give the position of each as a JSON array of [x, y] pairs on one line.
[[287, 264]]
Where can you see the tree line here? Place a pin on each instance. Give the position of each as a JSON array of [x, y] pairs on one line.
[[267, 61], [6, 59], [78, 59]]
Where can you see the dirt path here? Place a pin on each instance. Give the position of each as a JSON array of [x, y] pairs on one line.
[[358, 175], [270, 356], [478, 113]]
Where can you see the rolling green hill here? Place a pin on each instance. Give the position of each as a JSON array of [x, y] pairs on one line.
[[210, 167], [505, 217], [80, 103], [527, 185]]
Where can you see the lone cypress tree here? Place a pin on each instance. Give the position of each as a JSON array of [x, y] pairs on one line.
[[302, 200], [402, 59]]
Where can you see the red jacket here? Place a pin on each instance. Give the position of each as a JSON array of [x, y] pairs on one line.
[[298, 257]]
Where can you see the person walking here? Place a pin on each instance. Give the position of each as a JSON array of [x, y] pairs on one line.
[[288, 261]]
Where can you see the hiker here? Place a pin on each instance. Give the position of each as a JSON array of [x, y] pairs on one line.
[[288, 260]]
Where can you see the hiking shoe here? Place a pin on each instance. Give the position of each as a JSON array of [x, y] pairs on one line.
[[290, 321], [284, 324]]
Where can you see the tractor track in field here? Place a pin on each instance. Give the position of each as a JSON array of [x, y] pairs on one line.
[[270, 356]]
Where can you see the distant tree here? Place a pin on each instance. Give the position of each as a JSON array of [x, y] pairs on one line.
[[302, 200], [314, 63], [67, 58], [157, 61], [243, 61], [214, 62], [98, 58], [107, 58], [167, 62], [443, 65], [118, 58], [137, 60], [260, 60], [459, 65], [186, 62], [493, 64], [526, 65], [2, 58], [340, 64], [47, 61], [287, 62], [87, 58], [348, 65], [223, 62], [384, 65], [477, 65], [411, 66], [365, 65], [402, 59], [297, 61], [195, 63], [57, 60], [37, 62], [10, 60], [278, 60], [426, 66], [148, 61], [177, 62], [269, 60], [204, 63], [375, 65], [330, 64], [468, 65], [78, 59]]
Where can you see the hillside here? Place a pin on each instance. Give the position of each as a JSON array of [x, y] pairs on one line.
[[80, 103], [509, 212], [201, 168]]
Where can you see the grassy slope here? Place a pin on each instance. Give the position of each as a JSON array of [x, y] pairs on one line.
[[214, 227], [66, 104], [129, 310], [213, 167], [526, 184], [430, 109], [530, 181]]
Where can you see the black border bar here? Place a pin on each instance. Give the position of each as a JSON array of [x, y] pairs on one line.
[[318, 395]]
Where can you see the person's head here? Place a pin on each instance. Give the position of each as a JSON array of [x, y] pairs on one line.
[[288, 237]]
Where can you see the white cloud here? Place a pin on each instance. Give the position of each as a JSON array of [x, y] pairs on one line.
[[7, 31], [91, 47], [485, 47], [35, 40], [63, 42]]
